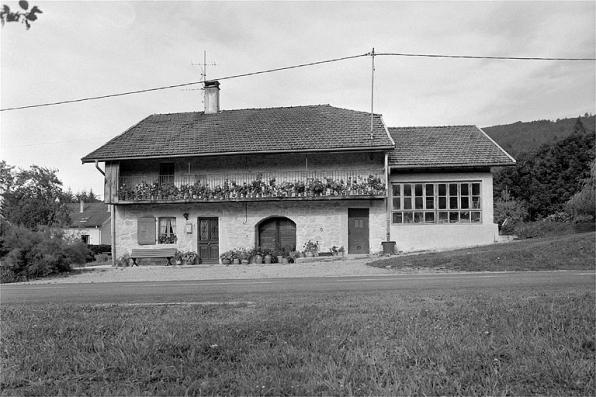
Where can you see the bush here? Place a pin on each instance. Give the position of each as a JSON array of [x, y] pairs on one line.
[[38, 254]]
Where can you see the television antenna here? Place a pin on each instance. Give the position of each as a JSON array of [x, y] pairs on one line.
[[203, 71]]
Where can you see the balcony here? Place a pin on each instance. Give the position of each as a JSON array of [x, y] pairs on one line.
[[251, 186]]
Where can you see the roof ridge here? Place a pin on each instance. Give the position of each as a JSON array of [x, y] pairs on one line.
[[436, 126], [238, 110]]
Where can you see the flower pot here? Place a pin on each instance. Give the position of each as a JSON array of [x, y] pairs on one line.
[[245, 261], [178, 261], [309, 254], [280, 259], [236, 261], [285, 261], [258, 259], [225, 261], [267, 259]]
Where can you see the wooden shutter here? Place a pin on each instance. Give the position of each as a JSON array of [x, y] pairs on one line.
[[146, 231]]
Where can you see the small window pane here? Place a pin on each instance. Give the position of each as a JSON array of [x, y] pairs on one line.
[[443, 217], [464, 216], [465, 189], [475, 189], [453, 189], [453, 203], [408, 217], [397, 203], [418, 217], [475, 217], [397, 217], [418, 202], [442, 203], [407, 203], [430, 189], [418, 189], [476, 202], [396, 190], [430, 203], [407, 190], [429, 217], [465, 202], [453, 217], [442, 189]]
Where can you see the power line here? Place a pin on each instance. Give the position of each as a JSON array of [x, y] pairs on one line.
[[295, 67]]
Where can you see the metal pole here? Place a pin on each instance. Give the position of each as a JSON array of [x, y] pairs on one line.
[[372, 93]]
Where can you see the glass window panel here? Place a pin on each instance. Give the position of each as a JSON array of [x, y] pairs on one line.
[[443, 217], [407, 190], [430, 189], [443, 203], [397, 203], [396, 190], [465, 202], [408, 217], [418, 202], [475, 217], [407, 203], [430, 203], [442, 189], [418, 190], [429, 217], [453, 203], [465, 189], [476, 202], [418, 217], [475, 189], [453, 189], [453, 217], [464, 216], [397, 217]]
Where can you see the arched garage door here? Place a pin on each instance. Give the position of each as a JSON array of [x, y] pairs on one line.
[[276, 233]]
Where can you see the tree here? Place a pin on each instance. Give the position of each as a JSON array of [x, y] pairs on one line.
[[26, 16], [33, 197], [582, 206]]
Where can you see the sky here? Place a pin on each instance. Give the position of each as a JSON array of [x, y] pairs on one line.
[[82, 49]]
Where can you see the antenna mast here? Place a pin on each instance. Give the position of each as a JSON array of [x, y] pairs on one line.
[[372, 93]]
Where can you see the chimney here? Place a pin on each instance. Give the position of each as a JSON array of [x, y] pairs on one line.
[[82, 206], [211, 97]]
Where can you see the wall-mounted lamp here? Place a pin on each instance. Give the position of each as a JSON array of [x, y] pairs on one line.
[[185, 215]]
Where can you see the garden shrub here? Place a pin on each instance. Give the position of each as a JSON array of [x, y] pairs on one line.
[[35, 254]]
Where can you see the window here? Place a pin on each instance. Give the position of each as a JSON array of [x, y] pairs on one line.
[[166, 173], [85, 238], [167, 231], [436, 203]]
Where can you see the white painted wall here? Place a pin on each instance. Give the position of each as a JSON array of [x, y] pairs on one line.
[[417, 237], [93, 233]]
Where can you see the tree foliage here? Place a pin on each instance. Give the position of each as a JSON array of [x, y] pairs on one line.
[[32, 197], [26, 16], [545, 181], [583, 203]]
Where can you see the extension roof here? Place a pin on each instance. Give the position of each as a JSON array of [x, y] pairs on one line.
[[451, 146], [247, 131], [93, 215]]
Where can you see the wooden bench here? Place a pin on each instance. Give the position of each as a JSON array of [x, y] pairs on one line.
[[167, 253]]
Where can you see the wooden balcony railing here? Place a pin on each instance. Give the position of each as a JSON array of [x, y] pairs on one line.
[[254, 186]]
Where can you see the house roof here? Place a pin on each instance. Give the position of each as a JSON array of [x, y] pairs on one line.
[[246, 131], [93, 215], [450, 146]]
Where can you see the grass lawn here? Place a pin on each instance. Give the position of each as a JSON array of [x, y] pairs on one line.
[[373, 343], [568, 252]]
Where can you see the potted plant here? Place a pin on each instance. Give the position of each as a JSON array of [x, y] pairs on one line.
[[311, 248], [267, 257], [178, 257], [188, 258], [226, 257], [258, 255]]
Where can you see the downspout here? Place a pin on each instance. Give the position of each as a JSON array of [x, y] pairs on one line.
[[112, 221], [99, 169], [387, 195]]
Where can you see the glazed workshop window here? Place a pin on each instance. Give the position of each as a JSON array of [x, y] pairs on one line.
[[167, 231], [166, 173], [436, 203]]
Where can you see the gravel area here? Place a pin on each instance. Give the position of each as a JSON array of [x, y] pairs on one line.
[[335, 268]]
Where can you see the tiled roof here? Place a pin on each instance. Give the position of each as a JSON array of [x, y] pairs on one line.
[[303, 128], [465, 145], [94, 214]]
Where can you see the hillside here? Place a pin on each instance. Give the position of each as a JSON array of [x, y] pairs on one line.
[[527, 137]]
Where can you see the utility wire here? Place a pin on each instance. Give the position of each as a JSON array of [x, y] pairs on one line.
[[295, 67]]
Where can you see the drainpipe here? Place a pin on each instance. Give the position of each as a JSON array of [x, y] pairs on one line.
[[387, 196], [112, 220], [99, 169]]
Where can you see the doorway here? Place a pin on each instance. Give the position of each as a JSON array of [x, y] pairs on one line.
[[277, 233], [208, 243], [358, 236]]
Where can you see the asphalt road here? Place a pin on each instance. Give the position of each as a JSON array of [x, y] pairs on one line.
[[234, 290]]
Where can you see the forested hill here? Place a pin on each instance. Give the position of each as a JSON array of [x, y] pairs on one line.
[[527, 137]]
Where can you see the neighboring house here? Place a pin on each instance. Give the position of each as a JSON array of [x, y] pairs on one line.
[[278, 177], [91, 223]]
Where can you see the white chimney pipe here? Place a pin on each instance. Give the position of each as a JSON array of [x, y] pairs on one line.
[[211, 97]]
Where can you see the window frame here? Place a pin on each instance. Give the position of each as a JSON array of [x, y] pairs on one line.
[[166, 237], [436, 202]]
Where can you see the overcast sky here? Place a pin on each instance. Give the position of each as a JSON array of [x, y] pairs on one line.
[[84, 49]]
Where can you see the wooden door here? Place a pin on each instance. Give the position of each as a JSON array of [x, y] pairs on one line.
[[358, 239], [278, 233], [208, 244]]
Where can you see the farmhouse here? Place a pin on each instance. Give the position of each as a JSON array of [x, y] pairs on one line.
[[280, 177], [90, 222]]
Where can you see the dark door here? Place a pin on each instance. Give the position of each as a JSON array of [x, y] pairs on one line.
[[358, 241], [277, 233], [208, 244]]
